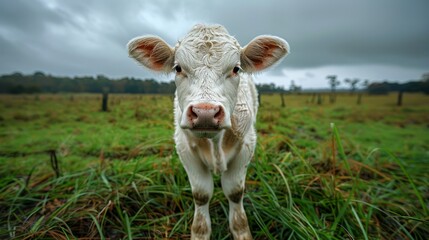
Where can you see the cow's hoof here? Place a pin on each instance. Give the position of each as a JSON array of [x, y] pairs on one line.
[[243, 236], [200, 237]]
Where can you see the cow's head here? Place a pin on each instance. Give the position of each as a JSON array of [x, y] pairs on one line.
[[208, 63]]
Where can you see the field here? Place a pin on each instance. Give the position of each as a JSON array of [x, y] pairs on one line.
[[329, 171]]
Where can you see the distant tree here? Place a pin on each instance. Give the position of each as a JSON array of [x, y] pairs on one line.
[[293, 88], [269, 88], [353, 84], [379, 88], [364, 85], [17, 75], [425, 83], [38, 75], [333, 83]]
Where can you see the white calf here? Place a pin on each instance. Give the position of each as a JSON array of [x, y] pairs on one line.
[[215, 111]]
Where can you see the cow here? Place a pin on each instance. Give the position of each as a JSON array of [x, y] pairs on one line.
[[215, 111]]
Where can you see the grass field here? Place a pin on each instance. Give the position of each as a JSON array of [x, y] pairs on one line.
[[330, 171]]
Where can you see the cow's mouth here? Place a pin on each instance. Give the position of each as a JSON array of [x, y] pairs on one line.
[[205, 132], [206, 129]]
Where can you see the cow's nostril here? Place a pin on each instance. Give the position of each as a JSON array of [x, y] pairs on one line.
[[219, 114], [192, 113]]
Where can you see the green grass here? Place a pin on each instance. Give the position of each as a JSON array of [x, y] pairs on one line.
[[362, 177]]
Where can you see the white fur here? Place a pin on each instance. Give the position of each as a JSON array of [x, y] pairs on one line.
[[207, 56]]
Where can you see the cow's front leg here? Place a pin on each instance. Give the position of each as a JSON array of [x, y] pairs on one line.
[[202, 191], [233, 186]]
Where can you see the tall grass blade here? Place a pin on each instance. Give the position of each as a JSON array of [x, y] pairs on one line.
[[360, 223], [423, 204], [97, 225]]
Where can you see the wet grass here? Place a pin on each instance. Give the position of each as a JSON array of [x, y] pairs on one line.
[[362, 177]]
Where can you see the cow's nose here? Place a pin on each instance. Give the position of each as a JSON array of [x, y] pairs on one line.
[[205, 116]]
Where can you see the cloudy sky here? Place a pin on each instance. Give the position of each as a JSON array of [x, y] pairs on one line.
[[365, 39]]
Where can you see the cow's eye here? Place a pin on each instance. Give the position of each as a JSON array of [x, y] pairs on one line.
[[178, 69], [235, 70]]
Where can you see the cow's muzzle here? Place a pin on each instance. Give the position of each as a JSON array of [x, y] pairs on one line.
[[205, 117]]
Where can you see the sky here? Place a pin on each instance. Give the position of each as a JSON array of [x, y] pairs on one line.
[[366, 39]]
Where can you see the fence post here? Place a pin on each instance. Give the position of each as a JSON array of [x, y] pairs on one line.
[[105, 99], [283, 100], [313, 98], [399, 102], [359, 99], [319, 99]]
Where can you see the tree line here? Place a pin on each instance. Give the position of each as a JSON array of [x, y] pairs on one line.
[[39, 82], [384, 87]]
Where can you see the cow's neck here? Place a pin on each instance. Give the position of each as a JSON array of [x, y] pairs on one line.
[[216, 152]]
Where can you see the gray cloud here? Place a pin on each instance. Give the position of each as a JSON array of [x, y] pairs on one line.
[[89, 37]]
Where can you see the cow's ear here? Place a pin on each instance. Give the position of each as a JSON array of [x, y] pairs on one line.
[[263, 52], [152, 52]]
